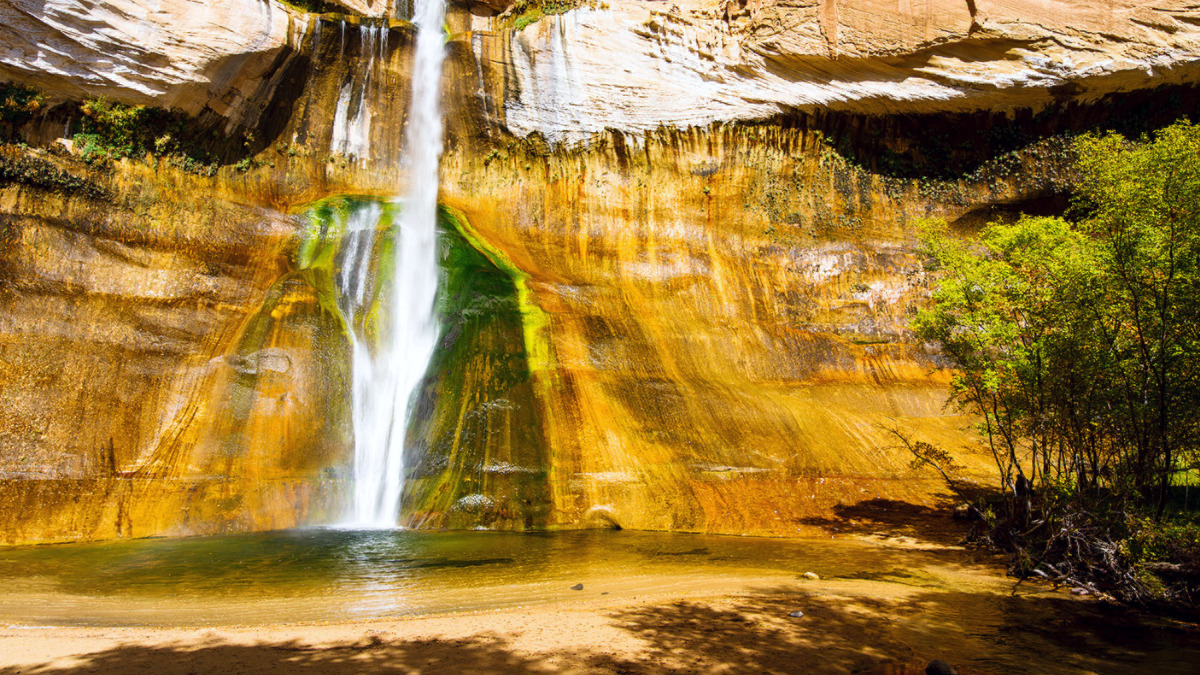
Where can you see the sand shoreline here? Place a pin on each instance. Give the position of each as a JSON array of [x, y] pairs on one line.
[[593, 635], [888, 618], [742, 626]]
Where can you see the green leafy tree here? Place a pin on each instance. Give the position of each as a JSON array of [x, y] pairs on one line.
[[1076, 343], [1008, 315], [1143, 203]]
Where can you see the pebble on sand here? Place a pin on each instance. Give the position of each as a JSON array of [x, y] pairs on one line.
[[577, 587]]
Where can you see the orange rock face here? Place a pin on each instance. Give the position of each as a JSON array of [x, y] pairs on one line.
[[162, 366], [686, 325]]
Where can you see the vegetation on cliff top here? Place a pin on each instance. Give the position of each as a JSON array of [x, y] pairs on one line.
[[526, 12], [311, 6], [104, 130], [1077, 343]]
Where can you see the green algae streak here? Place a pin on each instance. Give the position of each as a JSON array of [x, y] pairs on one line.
[[476, 449], [534, 321]]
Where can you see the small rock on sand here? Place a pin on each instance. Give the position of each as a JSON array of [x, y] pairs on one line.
[[577, 587], [812, 576], [796, 614]]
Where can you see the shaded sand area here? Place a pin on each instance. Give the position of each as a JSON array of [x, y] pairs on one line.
[[650, 603]]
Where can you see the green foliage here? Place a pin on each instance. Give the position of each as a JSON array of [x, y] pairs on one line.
[[1077, 343], [524, 19], [310, 6], [1003, 309], [110, 131], [527, 12], [1165, 559], [1143, 206], [1151, 541], [18, 104]]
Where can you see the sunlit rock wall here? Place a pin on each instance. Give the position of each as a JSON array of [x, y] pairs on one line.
[[169, 363], [724, 343], [634, 65], [681, 238], [165, 367]]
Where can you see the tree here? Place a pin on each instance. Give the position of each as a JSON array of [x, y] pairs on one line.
[[1143, 203], [1076, 342]]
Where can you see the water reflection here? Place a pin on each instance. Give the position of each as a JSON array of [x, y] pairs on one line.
[[328, 574], [875, 606]]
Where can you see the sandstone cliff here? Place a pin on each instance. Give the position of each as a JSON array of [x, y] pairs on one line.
[[690, 228], [637, 65]]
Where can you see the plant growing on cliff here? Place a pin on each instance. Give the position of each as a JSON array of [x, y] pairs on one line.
[[110, 131], [526, 12], [18, 104], [1078, 346], [311, 6]]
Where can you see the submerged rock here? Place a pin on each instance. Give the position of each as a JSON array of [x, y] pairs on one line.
[[939, 667]]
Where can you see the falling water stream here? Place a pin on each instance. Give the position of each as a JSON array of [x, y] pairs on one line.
[[386, 378]]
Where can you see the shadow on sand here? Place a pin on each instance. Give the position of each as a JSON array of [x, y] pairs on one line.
[[839, 633], [893, 518]]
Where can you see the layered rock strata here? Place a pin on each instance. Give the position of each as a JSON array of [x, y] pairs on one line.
[[635, 66], [166, 367], [679, 248]]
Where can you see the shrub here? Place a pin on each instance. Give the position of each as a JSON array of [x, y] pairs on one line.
[[1075, 343], [18, 104]]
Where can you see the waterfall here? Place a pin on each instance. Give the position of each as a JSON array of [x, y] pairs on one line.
[[385, 381]]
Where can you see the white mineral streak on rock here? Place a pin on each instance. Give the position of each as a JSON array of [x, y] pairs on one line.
[[184, 54], [348, 133], [352, 115], [638, 65]]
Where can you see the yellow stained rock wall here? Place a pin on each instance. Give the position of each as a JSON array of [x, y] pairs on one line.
[[710, 322], [164, 369], [726, 342]]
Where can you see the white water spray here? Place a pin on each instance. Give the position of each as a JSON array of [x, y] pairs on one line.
[[385, 382]]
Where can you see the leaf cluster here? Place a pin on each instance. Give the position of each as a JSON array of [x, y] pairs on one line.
[[110, 131], [311, 6], [527, 12], [1077, 344], [18, 104]]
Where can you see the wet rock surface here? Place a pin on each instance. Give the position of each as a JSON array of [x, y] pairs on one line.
[[706, 281]]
